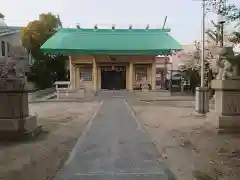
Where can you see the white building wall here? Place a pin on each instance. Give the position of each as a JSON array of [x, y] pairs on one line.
[[13, 39]]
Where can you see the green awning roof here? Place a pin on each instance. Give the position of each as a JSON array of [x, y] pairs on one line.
[[111, 41]]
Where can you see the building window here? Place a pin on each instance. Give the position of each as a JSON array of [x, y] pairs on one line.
[[3, 48], [141, 73], [86, 74], [8, 47]]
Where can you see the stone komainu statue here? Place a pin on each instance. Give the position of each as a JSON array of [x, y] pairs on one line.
[[227, 63], [12, 67]]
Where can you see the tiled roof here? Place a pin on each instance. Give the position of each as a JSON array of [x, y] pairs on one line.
[[111, 41], [8, 29]]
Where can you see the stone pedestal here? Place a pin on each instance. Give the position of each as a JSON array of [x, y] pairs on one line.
[[202, 100], [145, 87], [227, 104], [15, 122]]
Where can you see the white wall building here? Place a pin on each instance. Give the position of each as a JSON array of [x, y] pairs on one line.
[[10, 41], [10, 38]]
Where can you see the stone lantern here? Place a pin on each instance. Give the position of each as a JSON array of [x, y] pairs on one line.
[[15, 122]]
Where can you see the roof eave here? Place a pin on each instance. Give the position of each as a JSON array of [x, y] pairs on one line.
[[8, 33], [110, 52]]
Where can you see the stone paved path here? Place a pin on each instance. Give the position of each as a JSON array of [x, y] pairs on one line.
[[107, 94], [114, 148]]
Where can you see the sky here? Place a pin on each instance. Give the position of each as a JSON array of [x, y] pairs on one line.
[[184, 16]]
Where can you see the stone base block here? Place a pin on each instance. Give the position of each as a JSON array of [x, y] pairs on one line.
[[80, 93], [145, 90], [19, 129], [24, 124], [229, 124], [20, 136], [202, 100]]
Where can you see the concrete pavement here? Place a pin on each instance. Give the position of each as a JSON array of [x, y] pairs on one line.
[[114, 148]]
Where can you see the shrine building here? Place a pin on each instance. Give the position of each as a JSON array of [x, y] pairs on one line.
[[111, 58]]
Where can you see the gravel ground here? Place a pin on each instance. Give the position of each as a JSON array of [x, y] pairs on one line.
[[41, 158], [189, 143]]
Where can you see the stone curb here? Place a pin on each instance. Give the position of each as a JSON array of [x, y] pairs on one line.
[[172, 176], [158, 100], [67, 100]]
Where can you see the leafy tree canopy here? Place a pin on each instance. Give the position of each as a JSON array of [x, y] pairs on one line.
[[38, 31], [222, 7], [46, 68], [230, 11]]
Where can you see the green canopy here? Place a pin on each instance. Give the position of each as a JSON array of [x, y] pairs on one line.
[[111, 41]]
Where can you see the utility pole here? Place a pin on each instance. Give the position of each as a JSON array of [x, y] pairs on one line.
[[203, 42], [202, 92], [222, 34], [221, 20]]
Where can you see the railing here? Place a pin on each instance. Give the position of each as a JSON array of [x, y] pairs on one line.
[[62, 86], [41, 93]]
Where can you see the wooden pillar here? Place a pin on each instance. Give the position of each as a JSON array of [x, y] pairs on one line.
[[94, 74], [130, 76], [99, 78], [153, 79], [77, 75], [74, 76], [71, 73]]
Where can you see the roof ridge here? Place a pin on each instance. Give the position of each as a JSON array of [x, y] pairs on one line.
[[8, 30], [112, 30]]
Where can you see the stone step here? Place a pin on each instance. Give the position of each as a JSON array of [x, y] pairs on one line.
[[124, 176]]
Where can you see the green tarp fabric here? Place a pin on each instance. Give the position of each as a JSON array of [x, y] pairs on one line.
[[111, 41]]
